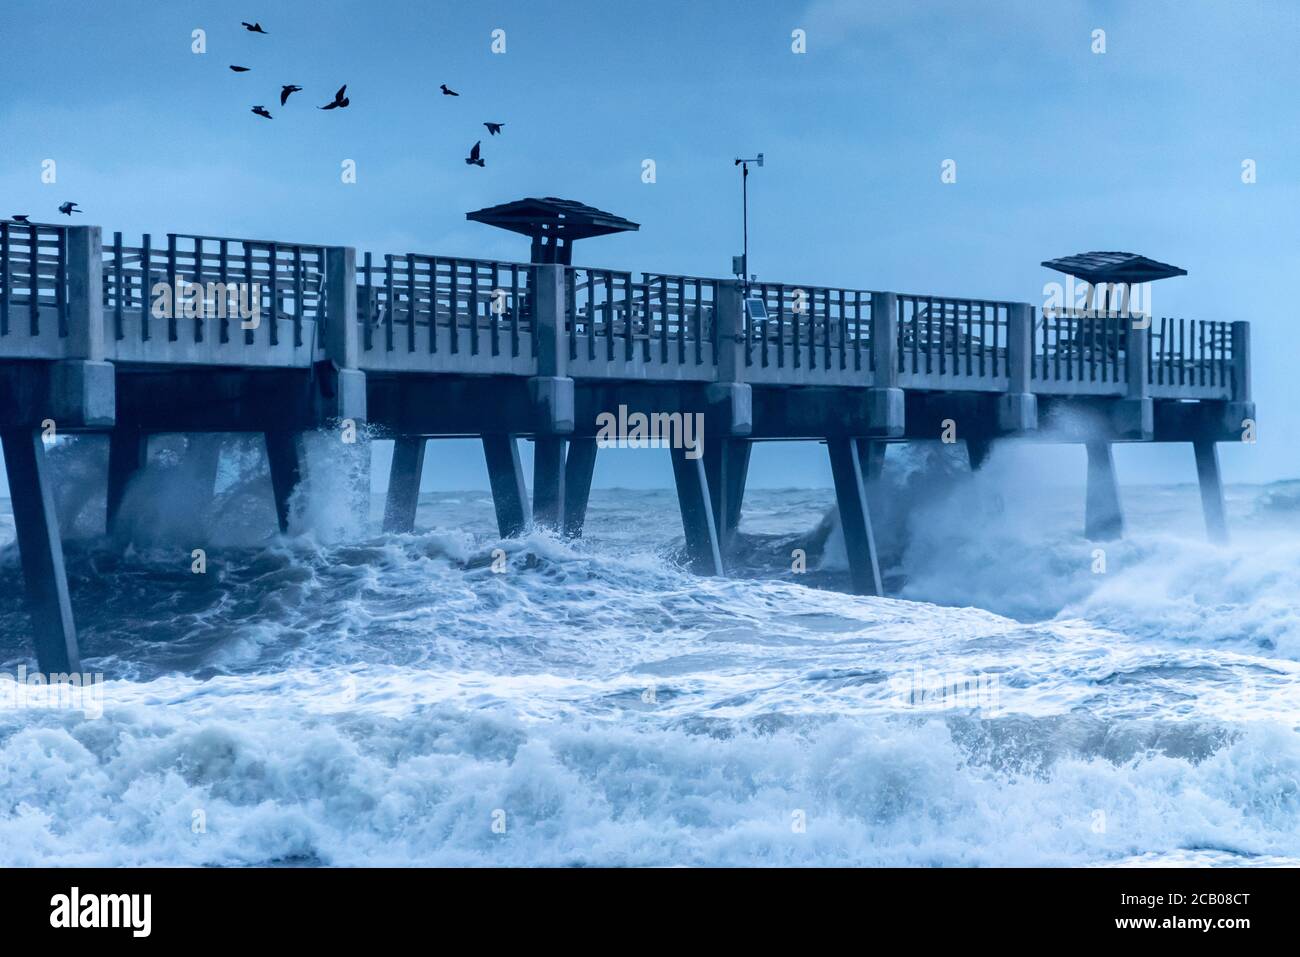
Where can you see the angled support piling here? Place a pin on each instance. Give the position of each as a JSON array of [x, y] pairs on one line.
[[702, 552], [404, 483], [855, 516], [128, 453], [1207, 475], [726, 465], [285, 455], [579, 467], [1104, 519], [53, 630], [506, 475]]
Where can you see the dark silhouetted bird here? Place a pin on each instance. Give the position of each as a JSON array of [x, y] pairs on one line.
[[253, 27], [240, 69], [339, 99], [288, 90], [67, 209], [494, 128], [474, 159], [447, 92], [261, 111], [19, 217]]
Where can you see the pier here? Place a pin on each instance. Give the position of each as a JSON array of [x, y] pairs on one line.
[[288, 338]]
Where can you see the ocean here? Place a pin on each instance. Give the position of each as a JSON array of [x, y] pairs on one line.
[[339, 696]]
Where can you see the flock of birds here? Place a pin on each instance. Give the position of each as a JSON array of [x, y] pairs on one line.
[[339, 102]]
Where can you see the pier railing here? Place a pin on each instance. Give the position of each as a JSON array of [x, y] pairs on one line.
[[810, 334], [953, 343], [185, 300], [214, 299], [34, 300], [1082, 352], [445, 314], [647, 325]]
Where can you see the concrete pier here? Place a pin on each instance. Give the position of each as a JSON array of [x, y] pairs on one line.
[[579, 467], [702, 552], [1211, 484], [1104, 518], [54, 635], [404, 483], [726, 465], [128, 454], [855, 516], [548, 481], [285, 455], [506, 475], [427, 346]]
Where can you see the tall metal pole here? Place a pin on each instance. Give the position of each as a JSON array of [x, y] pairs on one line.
[[744, 256]]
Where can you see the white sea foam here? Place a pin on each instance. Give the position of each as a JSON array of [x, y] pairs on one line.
[[346, 698]]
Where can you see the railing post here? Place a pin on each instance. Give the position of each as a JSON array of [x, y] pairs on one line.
[[81, 387], [1134, 415], [340, 333], [339, 336], [884, 339], [1018, 406], [1137, 354], [885, 405], [729, 401], [549, 307], [85, 293], [1241, 361], [729, 324]]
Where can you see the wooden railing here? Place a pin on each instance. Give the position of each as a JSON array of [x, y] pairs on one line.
[[283, 281], [33, 279], [658, 318], [953, 338], [1191, 355], [810, 327], [423, 313], [412, 304]]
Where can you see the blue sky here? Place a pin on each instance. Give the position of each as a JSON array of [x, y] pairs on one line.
[[1058, 149]]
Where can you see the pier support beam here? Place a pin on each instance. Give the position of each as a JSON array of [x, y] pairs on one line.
[[37, 526], [579, 467], [548, 481], [1207, 475], [726, 466], [855, 516], [128, 453], [1104, 519], [285, 455], [703, 554], [977, 452], [404, 483], [506, 475]]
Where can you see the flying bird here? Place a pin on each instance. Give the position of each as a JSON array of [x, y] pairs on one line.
[[17, 218], [253, 27], [339, 99], [288, 90], [67, 209], [447, 92], [239, 69], [261, 111], [494, 128], [474, 159]]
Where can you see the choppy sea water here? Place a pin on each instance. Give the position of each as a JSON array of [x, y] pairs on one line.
[[343, 697]]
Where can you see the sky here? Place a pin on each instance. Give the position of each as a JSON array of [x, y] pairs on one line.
[[1058, 149]]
